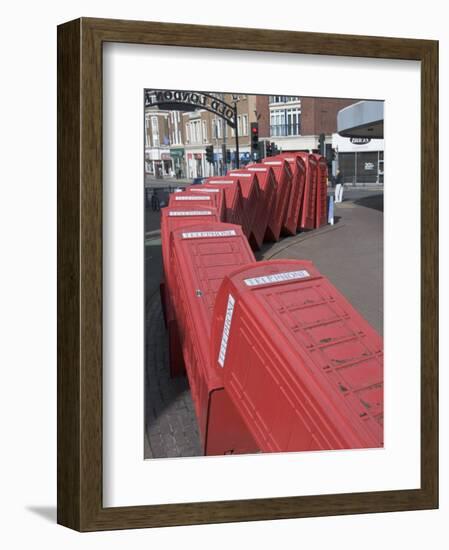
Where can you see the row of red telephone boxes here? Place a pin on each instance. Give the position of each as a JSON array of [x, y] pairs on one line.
[[277, 359], [281, 195]]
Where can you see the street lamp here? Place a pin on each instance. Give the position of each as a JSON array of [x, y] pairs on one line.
[[235, 99], [224, 128]]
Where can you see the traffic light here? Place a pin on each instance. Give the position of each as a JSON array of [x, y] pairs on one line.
[[254, 136], [321, 144], [270, 149], [228, 156], [210, 153]]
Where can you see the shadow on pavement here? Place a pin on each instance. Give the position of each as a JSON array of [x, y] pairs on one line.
[[375, 202]]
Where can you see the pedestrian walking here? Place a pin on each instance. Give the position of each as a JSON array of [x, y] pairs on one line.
[[339, 187], [155, 202]]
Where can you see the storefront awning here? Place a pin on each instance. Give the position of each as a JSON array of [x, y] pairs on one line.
[[177, 153]]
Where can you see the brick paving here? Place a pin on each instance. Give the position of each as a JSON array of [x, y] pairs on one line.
[[171, 426]]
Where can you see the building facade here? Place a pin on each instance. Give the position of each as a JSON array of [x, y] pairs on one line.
[[176, 140], [157, 144], [295, 123]]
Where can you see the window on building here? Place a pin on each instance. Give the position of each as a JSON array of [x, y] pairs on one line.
[[172, 127], [197, 125], [242, 125], [194, 131], [283, 98], [175, 137], [178, 128], [155, 131], [285, 122], [217, 128], [204, 132], [147, 132], [244, 128]]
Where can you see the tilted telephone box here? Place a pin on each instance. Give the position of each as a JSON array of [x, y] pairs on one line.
[[234, 199], [251, 194], [321, 191], [216, 192], [308, 210], [185, 199], [171, 219], [284, 177], [201, 256], [298, 169], [279, 203], [267, 201], [301, 365]]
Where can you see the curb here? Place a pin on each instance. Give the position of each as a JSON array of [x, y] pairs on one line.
[[300, 238], [152, 233]]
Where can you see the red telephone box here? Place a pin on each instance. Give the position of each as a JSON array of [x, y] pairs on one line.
[[234, 199], [321, 192], [171, 219], [298, 168], [301, 365], [201, 256], [284, 177]]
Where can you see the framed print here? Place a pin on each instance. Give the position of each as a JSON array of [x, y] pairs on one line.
[[247, 227]]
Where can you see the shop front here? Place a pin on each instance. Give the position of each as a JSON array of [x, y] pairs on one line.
[[195, 165], [360, 160], [167, 165], [178, 162]]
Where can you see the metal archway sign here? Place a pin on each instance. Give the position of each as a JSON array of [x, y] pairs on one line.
[[186, 100]]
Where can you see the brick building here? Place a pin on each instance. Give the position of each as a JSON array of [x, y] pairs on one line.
[[157, 143], [294, 123], [176, 141]]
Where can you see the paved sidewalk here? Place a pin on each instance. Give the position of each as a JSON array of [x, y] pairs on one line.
[[166, 182], [349, 253], [171, 427]]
